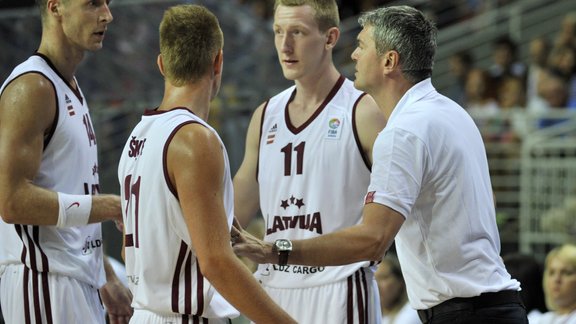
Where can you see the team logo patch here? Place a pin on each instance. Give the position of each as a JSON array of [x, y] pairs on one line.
[[369, 197]]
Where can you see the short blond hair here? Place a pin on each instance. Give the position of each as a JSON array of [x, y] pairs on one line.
[[190, 39], [326, 11], [566, 253]]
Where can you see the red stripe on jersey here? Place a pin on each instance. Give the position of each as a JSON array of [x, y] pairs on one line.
[[359, 299], [370, 197], [199, 290], [128, 240], [176, 278]]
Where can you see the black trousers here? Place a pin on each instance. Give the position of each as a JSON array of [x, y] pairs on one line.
[[503, 307]]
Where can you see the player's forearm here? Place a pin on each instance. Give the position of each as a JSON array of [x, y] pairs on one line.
[[29, 204], [246, 203], [237, 285]]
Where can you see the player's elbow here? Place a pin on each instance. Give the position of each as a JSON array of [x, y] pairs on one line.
[[211, 265], [9, 211]]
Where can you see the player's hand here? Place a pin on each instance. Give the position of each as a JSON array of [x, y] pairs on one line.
[[247, 245], [117, 298]]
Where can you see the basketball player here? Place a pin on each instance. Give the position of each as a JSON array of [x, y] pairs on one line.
[[51, 256], [178, 197], [308, 155], [430, 188]]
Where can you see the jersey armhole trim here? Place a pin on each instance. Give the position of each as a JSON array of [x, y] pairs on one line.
[[48, 135], [169, 183], [365, 158], [260, 138]]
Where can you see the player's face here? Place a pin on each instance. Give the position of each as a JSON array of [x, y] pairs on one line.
[[300, 45], [367, 72], [560, 283], [84, 22]]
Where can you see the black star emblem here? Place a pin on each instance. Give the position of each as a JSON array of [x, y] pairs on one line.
[[284, 204], [292, 200], [299, 203]]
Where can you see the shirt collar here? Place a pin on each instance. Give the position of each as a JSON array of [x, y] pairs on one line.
[[417, 92]]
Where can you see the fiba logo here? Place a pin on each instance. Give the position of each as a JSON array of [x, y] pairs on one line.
[[334, 123], [90, 245], [334, 128]]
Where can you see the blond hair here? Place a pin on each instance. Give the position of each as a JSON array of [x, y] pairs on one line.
[[326, 11], [190, 39]]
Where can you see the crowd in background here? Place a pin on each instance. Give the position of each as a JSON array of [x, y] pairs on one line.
[[545, 82], [444, 12]]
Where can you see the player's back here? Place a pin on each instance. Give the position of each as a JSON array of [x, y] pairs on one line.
[[163, 272]]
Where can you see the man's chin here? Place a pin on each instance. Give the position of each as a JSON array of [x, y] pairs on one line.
[[358, 85]]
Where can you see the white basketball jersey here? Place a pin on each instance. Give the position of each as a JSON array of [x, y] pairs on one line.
[[312, 179], [69, 165], [162, 269]]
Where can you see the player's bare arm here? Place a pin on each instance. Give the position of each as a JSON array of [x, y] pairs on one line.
[[27, 114], [246, 190], [195, 167], [369, 122]]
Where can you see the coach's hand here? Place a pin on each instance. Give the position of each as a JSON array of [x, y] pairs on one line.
[[246, 245]]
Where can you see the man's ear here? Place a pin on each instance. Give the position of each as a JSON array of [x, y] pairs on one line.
[[218, 62], [332, 36], [160, 64], [391, 59], [53, 7]]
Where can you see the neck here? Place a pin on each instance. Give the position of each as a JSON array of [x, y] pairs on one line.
[[314, 89], [194, 96], [61, 53], [387, 97]]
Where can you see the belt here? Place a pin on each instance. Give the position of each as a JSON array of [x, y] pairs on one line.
[[484, 300]]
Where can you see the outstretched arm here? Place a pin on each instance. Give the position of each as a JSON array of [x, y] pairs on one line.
[[27, 113], [196, 168], [367, 241]]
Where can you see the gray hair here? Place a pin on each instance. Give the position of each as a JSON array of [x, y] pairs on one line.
[[407, 31]]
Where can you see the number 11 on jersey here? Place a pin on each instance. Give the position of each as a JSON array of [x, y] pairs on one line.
[[287, 150]]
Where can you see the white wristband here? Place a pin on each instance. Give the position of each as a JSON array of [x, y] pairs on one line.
[[74, 210]]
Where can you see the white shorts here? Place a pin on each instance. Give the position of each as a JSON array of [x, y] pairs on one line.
[[142, 316], [31, 297], [353, 300]]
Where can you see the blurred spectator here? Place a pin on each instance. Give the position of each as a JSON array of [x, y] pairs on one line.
[[526, 269], [511, 94], [560, 285], [505, 61], [460, 64], [479, 94], [393, 296], [563, 59], [537, 57], [553, 88], [510, 128], [566, 36]]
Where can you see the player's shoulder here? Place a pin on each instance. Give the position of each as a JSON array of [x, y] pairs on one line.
[[28, 88], [195, 132]]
